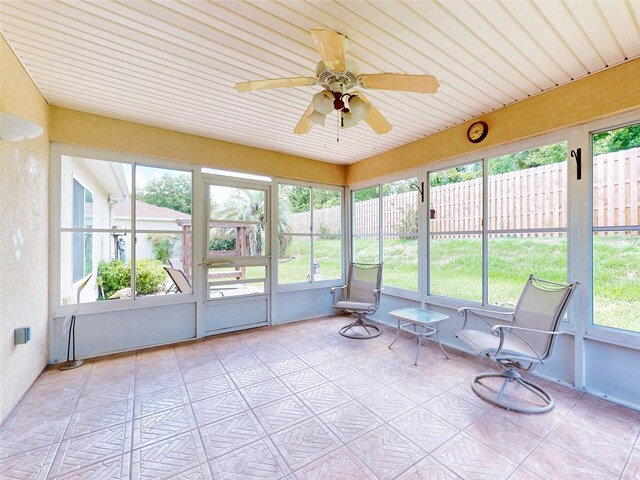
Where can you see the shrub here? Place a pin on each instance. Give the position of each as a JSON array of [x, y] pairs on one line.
[[409, 221], [325, 232], [112, 276], [149, 276], [224, 243], [162, 246], [116, 275]]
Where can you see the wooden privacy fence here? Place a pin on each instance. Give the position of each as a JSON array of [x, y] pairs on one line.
[[534, 198]]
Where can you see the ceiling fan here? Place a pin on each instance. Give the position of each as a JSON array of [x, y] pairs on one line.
[[339, 77]]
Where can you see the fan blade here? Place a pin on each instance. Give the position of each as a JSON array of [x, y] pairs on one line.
[[374, 118], [275, 83], [332, 47], [399, 82], [377, 121], [304, 125]]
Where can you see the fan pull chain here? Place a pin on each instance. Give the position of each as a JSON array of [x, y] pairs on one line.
[[338, 128]]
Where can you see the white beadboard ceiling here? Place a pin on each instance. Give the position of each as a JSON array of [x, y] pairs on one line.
[[173, 64]]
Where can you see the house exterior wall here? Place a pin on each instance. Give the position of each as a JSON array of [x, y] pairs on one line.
[[143, 245], [76, 169], [24, 235]]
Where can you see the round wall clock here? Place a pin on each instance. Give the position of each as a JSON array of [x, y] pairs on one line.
[[477, 132]]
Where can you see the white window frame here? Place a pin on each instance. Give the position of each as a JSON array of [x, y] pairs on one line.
[[397, 176], [565, 135], [588, 329], [288, 287], [134, 217], [58, 309], [444, 300]]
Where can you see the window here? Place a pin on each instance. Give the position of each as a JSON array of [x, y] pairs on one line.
[[616, 228], [365, 225], [527, 220], [455, 232], [522, 229], [111, 232], [82, 241], [400, 234], [385, 229], [309, 234], [163, 227]]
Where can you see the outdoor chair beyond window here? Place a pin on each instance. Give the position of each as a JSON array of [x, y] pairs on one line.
[[522, 344], [360, 297], [179, 279]]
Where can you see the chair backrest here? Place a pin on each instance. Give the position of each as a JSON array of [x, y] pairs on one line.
[[363, 280], [175, 263], [179, 279], [541, 306]]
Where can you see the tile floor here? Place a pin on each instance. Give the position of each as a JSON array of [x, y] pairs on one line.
[[301, 402]]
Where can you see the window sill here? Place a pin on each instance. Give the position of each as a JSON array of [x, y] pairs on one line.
[[396, 292], [295, 287], [604, 335], [120, 305]]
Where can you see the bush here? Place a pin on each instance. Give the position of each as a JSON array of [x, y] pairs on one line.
[[116, 275], [162, 245], [224, 243], [409, 221], [325, 232], [112, 276], [149, 276]]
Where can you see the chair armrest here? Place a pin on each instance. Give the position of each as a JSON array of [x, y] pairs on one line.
[[376, 296], [478, 311], [333, 293], [498, 330], [495, 328]]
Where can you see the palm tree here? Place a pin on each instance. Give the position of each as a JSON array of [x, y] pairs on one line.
[[248, 206]]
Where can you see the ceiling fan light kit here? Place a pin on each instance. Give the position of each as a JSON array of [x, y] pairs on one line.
[[339, 76], [318, 117], [323, 102]]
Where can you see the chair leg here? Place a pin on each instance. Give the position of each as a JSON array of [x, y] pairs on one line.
[[512, 376], [361, 321]]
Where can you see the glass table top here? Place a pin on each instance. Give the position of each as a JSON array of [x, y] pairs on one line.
[[418, 315]]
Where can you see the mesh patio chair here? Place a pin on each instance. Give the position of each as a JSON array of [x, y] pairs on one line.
[[360, 297], [524, 343], [179, 279]]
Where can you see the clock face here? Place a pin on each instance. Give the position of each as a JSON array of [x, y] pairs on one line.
[[477, 132]]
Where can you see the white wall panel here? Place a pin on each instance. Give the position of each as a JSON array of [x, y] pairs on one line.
[[299, 304], [104, 333]]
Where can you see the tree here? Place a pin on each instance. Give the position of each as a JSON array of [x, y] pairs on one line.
[[248, 206], [299, 198], [456, 174], [170, 191], [536, 157], [616, 140]]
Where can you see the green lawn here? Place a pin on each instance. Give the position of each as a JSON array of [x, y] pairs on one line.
[[456, 268]]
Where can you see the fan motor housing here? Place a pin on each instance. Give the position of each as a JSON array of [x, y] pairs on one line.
[[338, 81]]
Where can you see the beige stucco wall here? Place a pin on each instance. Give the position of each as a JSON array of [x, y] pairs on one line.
[[86, 129], [24, 240], [606, 93]]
